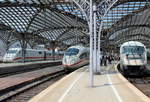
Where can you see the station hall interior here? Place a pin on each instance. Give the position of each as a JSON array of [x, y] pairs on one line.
[[46, 33], [63, 23]]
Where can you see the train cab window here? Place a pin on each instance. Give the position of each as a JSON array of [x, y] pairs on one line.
[[72, 51], [133, 49], [82, 56]]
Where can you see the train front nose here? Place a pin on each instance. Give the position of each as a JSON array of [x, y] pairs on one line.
[[69, 60], [134, 60]]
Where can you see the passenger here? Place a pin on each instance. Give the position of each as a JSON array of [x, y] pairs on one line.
[[101, 60], [109, 59], [112, 59], [105, 60]]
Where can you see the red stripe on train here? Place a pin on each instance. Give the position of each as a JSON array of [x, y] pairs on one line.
[[74, 63], [34, 57]]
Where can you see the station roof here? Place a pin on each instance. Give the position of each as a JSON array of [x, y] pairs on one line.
[[43, 21], [129, 21]]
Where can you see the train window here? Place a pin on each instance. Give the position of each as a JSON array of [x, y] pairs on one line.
[[19, 52], [48, 54], [12, 51], [84, 55], [72, 51], [40, 52]]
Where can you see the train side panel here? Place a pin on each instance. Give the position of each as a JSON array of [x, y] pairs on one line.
[[15, 55]]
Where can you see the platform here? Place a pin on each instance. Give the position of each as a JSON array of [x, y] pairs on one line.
[[110, 86], [26, 63], [6, 68]]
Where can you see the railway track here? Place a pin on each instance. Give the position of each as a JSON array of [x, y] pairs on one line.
[[142, 82], [26, 95], [17, 89]]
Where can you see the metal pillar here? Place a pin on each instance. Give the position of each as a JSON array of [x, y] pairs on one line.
[[95, 38], [23, 51], [94, 43], [99, 53], [23, 45], [91, 45], [53, 44]]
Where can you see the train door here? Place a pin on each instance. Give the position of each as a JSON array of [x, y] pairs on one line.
[[44, 55]]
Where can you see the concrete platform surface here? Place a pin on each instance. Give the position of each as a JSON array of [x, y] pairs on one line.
[[8, 68], [110, 86]]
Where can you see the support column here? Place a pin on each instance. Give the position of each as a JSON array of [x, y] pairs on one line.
[[95, 38], [91, 45], [23, 45], [99, 53], [53, 46], [23, 51]]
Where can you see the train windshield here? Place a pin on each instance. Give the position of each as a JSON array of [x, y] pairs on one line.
[[11, 51], [72, 51], [133, 49]]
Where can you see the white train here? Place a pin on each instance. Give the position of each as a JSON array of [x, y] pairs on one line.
[[132, 55], [75, 57], [15, 55]]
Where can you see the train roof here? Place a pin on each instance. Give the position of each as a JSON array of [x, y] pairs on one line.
[[27, 49], [132, 43], [14, 48], [78, 47]]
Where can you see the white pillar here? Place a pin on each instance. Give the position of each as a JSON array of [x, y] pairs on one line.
[[91, 45], [95, 38]]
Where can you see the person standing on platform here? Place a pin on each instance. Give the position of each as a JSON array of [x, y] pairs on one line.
[[105, 60], [109, 59], [101, 60]]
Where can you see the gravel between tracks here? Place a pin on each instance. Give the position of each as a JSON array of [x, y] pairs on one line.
[[142, 83], [27, 95]]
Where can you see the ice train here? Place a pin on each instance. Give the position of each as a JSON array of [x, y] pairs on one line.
[[75, 57], [15, 55], [133, 56]]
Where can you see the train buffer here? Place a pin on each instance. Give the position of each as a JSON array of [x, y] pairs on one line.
[[110, 86]]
